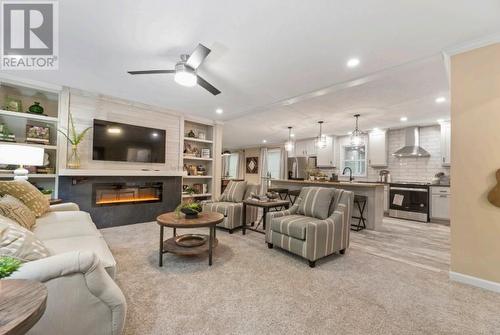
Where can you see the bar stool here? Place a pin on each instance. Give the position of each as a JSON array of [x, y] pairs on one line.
[[360, 202], [294, 194]]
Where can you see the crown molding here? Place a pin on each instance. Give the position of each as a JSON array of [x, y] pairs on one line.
[[473, 44]]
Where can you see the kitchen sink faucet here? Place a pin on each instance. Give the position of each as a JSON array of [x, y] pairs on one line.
[[351, 178]]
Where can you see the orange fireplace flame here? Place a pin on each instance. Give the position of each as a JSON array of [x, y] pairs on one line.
[[126, 199]]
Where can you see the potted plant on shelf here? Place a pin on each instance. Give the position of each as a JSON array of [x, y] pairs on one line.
[[74, 139], [189, 209], [47, 193], [8, 265]]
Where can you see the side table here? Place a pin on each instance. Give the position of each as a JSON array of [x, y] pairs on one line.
[[266, 206]]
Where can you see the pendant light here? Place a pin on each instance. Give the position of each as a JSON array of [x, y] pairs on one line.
[[357, 136], [226, 153], [321, 141], [289, 143]]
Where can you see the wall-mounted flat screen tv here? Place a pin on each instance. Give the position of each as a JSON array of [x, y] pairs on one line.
[[121, 142]]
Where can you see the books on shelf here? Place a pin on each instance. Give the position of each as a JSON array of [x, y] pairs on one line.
[[38, 141], [7, 138]]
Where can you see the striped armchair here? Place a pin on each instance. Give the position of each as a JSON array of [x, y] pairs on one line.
[[232, 210], [306, 235]]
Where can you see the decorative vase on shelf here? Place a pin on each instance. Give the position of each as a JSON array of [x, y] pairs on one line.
[[36, 108], [74, 158]]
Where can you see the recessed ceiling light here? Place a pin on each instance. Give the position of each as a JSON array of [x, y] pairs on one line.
[[440, 120], [353, 62], [219, 111], [376, 129], [292, 135], [264, 141], [440, 100], [349, 133], [403, 119]]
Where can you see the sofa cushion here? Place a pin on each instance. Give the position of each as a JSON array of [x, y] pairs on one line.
[[234, 192], [315, 202], [27, 193], [16, 210], [19, 242], [65, 224], [292, 225], [95, 244]]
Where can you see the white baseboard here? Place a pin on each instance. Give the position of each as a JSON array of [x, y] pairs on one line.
[[474, 281]]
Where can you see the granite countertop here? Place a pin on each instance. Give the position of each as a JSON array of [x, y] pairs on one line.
[[329, 183]]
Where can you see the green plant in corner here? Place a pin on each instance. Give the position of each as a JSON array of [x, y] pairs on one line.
[[8, 265], [74, 138]]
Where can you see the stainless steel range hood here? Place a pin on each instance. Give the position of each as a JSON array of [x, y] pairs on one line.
[[412, 146]]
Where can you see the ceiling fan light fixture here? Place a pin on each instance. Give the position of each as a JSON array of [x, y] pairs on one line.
[[185, 76]]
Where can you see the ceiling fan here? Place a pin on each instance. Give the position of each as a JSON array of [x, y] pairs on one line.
[[185, 70]]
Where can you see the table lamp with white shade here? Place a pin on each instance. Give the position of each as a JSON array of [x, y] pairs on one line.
[[21, 155]]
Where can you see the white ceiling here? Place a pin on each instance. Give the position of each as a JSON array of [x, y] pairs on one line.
[[262, 51], [382, 99]]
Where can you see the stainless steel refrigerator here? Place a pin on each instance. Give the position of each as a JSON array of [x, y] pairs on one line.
[[297, 166]]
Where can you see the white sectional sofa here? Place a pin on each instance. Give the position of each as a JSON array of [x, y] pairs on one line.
[[83, 297]]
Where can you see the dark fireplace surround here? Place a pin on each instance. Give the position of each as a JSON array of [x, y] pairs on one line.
[[115, 201]]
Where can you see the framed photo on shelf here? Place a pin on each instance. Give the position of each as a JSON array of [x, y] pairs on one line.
[[37, 134], [13, 105]]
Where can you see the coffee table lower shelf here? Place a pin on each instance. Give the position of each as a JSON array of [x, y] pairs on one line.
[[169, 245]]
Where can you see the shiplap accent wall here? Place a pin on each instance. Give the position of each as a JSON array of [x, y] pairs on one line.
[[85, 107]]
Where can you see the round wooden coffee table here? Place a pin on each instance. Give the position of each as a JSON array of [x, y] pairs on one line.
[[188, 244], [22, 304]]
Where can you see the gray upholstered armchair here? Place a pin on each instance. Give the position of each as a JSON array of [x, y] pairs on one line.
[[230, 204], [316, 226]]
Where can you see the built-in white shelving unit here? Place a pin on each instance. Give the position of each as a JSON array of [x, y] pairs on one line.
[[16, 122], [198, 139]]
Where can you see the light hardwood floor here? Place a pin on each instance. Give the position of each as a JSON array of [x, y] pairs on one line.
[[425, 245]]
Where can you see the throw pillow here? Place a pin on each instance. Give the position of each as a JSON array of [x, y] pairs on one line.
[[234, 192], [315, 202], [20, 243], [14, 209], [27, 193]]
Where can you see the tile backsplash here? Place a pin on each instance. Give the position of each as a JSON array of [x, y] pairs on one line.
[[407, 169]]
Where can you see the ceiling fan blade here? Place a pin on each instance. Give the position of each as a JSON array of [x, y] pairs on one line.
[[206, 85], [151, 71], [199, 54]]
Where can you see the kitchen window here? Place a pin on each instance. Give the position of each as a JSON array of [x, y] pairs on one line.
[[273, 163], [354, 157]]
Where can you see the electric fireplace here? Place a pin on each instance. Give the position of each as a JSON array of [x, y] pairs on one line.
[[108, 194]]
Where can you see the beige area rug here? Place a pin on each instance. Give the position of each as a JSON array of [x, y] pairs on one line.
[[251, 289]]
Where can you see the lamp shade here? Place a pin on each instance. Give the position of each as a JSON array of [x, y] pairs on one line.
[[21, 155]]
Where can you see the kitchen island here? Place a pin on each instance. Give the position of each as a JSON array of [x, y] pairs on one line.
[[374, 192]]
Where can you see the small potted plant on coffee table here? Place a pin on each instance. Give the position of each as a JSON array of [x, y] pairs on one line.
[[190, 209]]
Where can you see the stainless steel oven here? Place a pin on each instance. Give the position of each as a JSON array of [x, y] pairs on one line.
[[409, 201]]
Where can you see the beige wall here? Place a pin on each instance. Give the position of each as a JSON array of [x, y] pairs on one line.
[[252, 178], [475, 95]]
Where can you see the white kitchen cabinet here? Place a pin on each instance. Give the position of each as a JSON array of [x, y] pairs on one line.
[[311, 148], [446, 143], [377, 148], [300, 149], [440, 202], [325, 157], [304, 148]]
